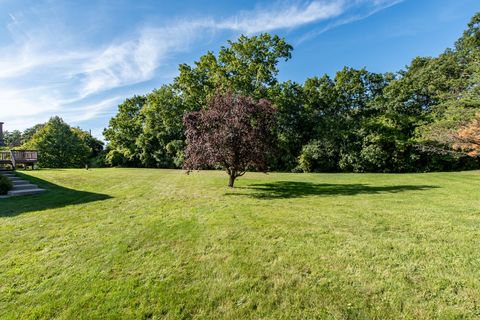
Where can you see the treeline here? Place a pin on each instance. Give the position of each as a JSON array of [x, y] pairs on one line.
[[59, 145], [356, 121]]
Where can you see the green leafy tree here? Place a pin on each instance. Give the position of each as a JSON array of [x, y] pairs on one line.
[[338, 111], [318, 156], [13, 139], [28, 133], [161, 142], [96, 156], [123, 132], [456, 74], [248, 66], [294, 124], [324, 123], [469, 43], [95, 146], [59, 145]]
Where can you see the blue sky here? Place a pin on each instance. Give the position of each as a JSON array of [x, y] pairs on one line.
[[80, 59]]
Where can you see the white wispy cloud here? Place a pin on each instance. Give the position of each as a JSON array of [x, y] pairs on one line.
[[37, 82], [88, 111], [134, 60], [374, 7], [47, 69], [282, 17]]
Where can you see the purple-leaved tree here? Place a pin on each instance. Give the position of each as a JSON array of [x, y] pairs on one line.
[[235, 132]]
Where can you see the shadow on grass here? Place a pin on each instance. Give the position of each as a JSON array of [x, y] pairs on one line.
[[293, 189], [54, 197]]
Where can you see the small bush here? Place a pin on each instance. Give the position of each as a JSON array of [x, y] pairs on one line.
[[98, 161], [115, 158], [318, 156], [5, 185]]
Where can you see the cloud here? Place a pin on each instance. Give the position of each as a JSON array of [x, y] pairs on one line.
[[88, 111], [49, 68], [374, 7], [134, 60], [290, 16], [39, 81]]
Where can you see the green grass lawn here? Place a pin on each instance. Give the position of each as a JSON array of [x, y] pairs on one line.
[[139, 243]]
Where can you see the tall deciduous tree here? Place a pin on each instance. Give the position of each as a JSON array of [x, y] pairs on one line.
[[123, 132], [162, 139], [28, 133], [464, 139], [59, 145], [454, 119], [248, 66], [234, 133], [293, 125], [95, 146], [148, 130], [467, 138]]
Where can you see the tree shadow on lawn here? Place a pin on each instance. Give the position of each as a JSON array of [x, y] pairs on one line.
[[294, 189], [55, 196]]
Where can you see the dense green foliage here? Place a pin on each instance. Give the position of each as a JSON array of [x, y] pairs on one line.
[[13, 138], [17, 139], [148, 131], [5, 185], [158, 244], [61, 146], [355, 121], [56, 141], [123, 132], [456, 86]]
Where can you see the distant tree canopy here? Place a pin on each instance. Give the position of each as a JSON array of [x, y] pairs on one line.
[[354, 121], [13, 138], [16, 138], [61, 146], [234, 133]]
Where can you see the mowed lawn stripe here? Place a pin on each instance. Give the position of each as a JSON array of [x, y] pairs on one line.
[[146, 243]]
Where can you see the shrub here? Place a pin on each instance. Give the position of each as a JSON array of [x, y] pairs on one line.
[[5, 185], [99, 161], [318, 156], [115, 158]]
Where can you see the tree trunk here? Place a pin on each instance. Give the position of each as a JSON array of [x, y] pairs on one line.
[[231, 181]]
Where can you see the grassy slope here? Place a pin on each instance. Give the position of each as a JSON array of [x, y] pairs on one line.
[[133, 243]]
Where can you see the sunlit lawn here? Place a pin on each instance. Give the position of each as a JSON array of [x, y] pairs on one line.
[[138, 243]]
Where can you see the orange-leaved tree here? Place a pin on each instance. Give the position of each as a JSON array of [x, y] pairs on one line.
[[467, 138]]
